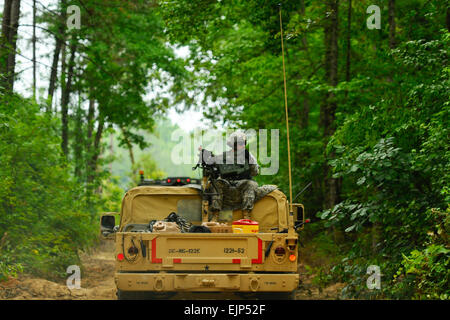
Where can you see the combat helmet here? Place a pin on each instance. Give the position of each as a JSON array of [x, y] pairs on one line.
[[237, 138]]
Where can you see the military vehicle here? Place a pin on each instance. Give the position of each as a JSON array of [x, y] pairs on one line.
[[152, 265]]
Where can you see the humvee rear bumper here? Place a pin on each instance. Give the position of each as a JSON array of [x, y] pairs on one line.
[[210, 282]]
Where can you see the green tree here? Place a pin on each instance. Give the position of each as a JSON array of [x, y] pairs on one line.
[[42, 220]]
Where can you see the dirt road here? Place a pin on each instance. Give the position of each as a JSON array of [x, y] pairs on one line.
[[97, 283]]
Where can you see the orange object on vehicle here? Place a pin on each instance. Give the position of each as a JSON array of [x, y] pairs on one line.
[[245, 226]]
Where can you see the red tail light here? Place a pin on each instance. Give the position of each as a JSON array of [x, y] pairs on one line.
[[188, 180], [292, 257], [168, 180], [120, 257], [178, 180]]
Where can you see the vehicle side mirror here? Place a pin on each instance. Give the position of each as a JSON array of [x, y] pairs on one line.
[[299, 216], [107, 225], [300, 213]]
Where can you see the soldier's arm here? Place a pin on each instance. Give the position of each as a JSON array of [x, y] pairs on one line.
[[254, 167], [254, 170]]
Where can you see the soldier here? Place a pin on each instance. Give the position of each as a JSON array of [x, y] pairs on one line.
[[236, 190]]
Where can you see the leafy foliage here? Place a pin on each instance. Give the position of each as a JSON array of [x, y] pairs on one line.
[[42, 217], [426, 272], [402, 176]]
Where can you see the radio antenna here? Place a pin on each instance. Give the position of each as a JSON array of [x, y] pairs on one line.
[[291, 210]]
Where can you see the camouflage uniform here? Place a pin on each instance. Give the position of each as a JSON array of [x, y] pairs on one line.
[[235, 189], [238, 191], [238, 194]]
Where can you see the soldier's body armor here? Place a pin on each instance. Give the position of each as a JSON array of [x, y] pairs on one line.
[[234, 188], [235, 171]]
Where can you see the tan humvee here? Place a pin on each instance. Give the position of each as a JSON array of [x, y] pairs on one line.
[[156, 265]]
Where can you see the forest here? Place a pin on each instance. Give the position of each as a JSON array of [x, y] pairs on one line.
[[368, 98]]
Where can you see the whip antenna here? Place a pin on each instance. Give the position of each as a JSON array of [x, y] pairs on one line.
[[291, 210]]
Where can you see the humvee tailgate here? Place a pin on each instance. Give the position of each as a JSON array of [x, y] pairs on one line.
[[170, 249]]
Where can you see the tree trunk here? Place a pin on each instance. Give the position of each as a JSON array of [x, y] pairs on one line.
[[331, 66], [97, 141], [305, 106], [53, 74], [63, 74], [111, 152], [15, 15], [391, 9], [95, 151], [59, 39], [6, 22], [78, 146], [328, 110], [304, 113], [349, 37], [65, 97], [92, 158], [89, 141], [448, 19], [130, 150], [10, 26], [34, 50], [90, 123]]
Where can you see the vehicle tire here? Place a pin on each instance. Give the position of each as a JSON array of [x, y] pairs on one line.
[[143, 295], [276, 295], [129, 295], [160, 296]]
